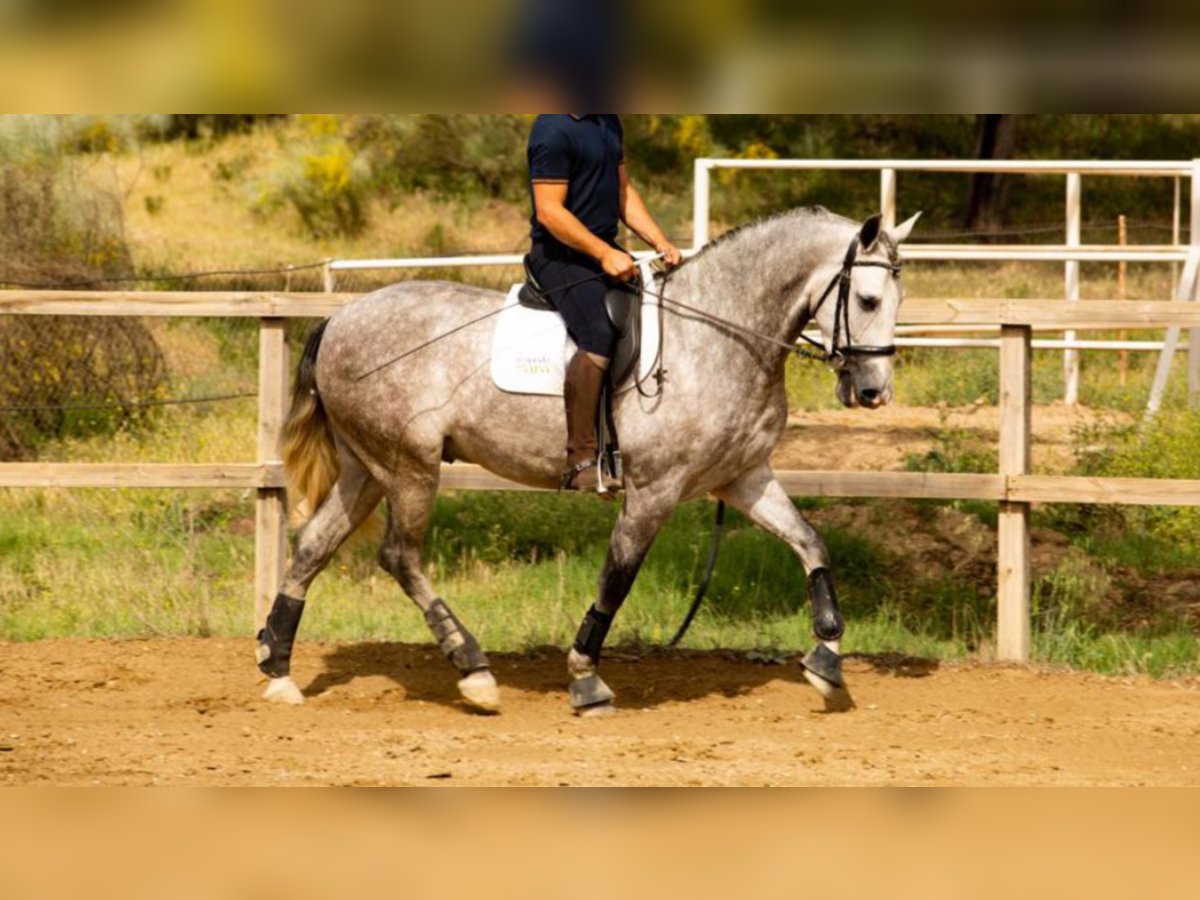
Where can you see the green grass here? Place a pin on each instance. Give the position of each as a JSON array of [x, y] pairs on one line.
[[521, 569]]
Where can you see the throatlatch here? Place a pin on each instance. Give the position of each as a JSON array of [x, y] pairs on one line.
[[592, 632], [458, 644], [276, 639], [828, 624]]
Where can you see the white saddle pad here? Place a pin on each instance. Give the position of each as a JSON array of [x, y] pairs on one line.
[[531, 348]]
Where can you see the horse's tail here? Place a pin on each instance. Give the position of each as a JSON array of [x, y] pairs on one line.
[[309, 455]]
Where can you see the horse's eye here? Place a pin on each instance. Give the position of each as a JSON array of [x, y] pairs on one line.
[[868, 302]]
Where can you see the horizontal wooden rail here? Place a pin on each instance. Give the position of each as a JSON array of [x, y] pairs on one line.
[[911, 485], [1123, 491], [222, 304], [1043, 315], [463, 477], [141, 475], [1052, 315]]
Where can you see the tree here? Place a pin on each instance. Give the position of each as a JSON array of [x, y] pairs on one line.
[[995, 137]]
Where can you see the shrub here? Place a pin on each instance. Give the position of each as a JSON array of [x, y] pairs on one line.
[[70, 376], [449, 155], [193, 126], [55, 227], [955, 450], [1169, 447], [58, 229], [324, 181]]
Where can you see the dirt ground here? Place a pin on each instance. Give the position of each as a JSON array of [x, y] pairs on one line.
[[881, 439], [186, 712]]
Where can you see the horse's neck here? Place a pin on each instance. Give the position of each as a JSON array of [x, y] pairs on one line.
[[756, 281]]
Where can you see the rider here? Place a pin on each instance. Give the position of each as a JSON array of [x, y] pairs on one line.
[[581, 192]]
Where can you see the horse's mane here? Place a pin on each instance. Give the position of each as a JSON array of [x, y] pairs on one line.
[[739, 231], [803, 212]]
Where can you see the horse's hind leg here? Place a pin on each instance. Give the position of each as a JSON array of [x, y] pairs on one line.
[[410, 503], [353, 497], [641, 518], [761, 498]]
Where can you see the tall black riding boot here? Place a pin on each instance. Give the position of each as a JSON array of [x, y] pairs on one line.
[[581, 393]]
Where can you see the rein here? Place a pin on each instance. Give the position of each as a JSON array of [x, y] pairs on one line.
[[838, 352], [835, 356]]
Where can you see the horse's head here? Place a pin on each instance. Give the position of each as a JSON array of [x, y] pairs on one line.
[[857, 299]]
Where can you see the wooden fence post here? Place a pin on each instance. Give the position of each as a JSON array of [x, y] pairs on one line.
[[270, 508], [1013, 575]]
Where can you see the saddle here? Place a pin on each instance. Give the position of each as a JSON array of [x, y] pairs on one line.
[[623, 303]]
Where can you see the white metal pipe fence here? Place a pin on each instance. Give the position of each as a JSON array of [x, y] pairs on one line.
[[1071, 254]]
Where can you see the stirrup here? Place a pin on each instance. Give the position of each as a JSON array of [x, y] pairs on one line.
[[568, 479]]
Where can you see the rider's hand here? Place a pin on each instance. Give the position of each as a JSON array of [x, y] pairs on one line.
[[618, 264], [670, 254]]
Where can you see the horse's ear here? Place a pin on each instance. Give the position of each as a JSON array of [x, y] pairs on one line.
[[869, 233], [901, 232]]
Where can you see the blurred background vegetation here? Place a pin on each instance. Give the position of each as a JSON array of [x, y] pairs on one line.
[[258, 201], [331, 171]]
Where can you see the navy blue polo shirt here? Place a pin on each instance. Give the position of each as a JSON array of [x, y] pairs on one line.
[[586, 153]]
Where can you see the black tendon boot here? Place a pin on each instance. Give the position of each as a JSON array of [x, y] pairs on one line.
[[276, 639]]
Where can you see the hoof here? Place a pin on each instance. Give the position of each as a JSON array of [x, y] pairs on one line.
[[590, 692], [823, 670], [480, 692], [597, 710], [283, 690], [824, 662]]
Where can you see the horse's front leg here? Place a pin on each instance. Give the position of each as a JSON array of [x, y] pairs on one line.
[[761, 498], [641, 518]]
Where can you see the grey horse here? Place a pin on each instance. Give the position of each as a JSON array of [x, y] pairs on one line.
[[397, 382]]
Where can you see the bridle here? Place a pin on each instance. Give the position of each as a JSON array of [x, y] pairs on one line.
[[836, 355]]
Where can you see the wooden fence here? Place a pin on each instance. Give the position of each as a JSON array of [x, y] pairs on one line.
[[1014, 486]]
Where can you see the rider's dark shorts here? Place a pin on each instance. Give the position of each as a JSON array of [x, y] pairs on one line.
[[582, 305]]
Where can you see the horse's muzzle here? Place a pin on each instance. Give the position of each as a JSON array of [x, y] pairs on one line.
[[867, 396]]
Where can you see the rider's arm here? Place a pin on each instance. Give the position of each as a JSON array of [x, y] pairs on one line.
[[635, 214], [549, 200]]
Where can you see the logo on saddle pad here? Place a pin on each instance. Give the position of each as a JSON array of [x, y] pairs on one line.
[[531, 347]]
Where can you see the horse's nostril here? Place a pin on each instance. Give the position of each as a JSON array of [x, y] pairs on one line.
[[869, 395]]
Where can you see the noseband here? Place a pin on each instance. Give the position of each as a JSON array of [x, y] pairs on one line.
[[838, 352]]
